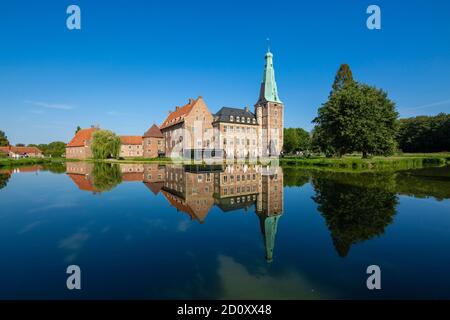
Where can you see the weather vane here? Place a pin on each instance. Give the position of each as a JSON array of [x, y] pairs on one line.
[[268, 44]]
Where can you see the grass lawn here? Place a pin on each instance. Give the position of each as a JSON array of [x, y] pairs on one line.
[[8, 162], [355, 162]]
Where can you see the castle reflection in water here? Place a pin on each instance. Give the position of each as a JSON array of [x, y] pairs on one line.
[[195, 189]]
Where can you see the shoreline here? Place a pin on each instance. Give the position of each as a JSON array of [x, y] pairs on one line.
[[347, 163]]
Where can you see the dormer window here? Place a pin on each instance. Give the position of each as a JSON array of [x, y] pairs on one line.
[[231, 118], [248, 120], [254, 121], [237, 119]]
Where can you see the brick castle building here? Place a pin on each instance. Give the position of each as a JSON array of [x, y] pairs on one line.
[[193, 132]]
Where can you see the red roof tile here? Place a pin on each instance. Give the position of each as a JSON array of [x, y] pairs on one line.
[[178, 204], [178, 115], [20, 150], [136, 140], [154, 187], [153, 132], [82, 182], [80, 138]]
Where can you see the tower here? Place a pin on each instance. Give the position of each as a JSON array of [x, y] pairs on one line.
[[270, 207], [269, 112]]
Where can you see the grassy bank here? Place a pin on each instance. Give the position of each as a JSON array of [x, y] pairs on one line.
[[398, 162], [347, 163], [8, 162]]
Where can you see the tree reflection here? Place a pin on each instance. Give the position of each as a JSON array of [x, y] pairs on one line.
[[106, 176], [4, 178], [293, 177], [354, 214]]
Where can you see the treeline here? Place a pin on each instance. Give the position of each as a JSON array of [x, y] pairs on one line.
[[359, 118], [54, 149], [425, 134]]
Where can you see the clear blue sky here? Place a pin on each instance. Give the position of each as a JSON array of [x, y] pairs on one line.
[[135, 60]]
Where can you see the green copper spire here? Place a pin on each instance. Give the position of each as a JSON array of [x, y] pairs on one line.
[[269, 90], [270, 231]]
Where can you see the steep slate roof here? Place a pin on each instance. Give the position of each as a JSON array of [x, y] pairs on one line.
[[223, 115], [153, 132], [81, 137], [135, 140], [20, 150], [178, 115]]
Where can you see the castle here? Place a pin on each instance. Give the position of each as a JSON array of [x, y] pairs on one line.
[[193, 132]]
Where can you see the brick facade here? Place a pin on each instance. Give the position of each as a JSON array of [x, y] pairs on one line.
[[188, 127], [80, 145]]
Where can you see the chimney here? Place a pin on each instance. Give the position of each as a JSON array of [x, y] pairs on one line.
[[247, 109], [176, 108], [191, 100]]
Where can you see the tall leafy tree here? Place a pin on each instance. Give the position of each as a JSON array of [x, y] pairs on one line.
[[78, 129], [105, 144], [358, 118], [3, 139]]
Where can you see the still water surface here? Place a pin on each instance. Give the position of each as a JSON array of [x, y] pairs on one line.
[[152, 231]]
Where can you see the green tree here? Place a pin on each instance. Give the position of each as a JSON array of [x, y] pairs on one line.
[[358, 118], [343, 77], [321, 142], [105, 144], [296, 139], [291, 140], [3, 139], [425, 133], [78, 129], [55, 149], [20, 145]]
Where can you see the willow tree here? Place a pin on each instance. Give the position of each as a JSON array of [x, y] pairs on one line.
[[105, 144]]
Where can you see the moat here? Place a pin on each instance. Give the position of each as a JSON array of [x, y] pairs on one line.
[[239, 231]]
